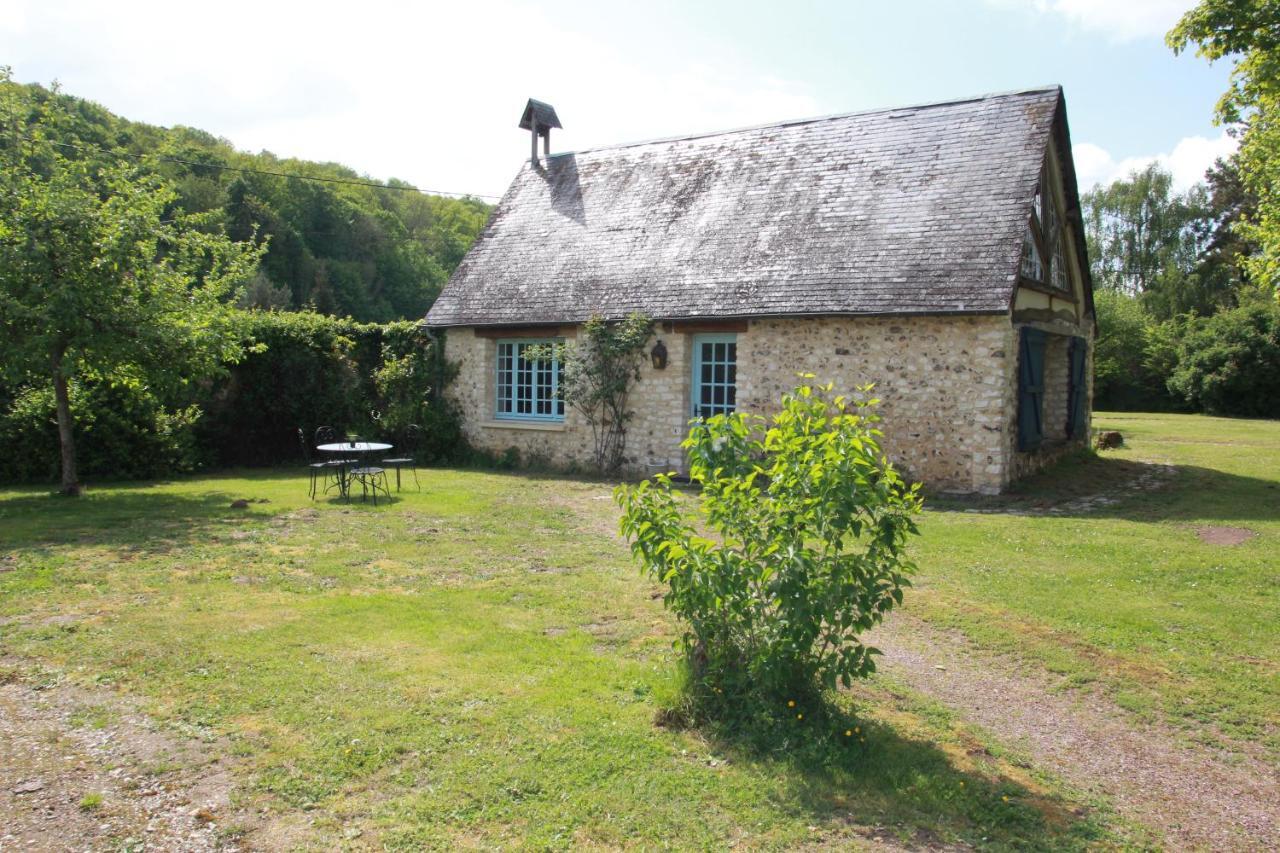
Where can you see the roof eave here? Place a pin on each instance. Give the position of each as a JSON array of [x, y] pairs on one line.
[[682, 318]]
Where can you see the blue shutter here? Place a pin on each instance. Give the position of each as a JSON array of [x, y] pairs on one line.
[[1078, 389], [1031, 389]]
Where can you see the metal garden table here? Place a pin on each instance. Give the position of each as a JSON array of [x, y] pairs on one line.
[[359, 448]]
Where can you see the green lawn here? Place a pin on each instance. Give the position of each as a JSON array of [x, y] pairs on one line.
[[480, 664], [1129, 595]]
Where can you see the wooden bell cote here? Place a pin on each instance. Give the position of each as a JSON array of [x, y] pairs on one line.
[[538, 119]]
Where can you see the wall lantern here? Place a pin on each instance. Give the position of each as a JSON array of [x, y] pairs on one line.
[[659, 355]]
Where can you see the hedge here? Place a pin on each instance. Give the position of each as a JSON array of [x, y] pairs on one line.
[[300, 370]]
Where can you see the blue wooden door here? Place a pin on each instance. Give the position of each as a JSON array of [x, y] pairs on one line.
[[715, 375]]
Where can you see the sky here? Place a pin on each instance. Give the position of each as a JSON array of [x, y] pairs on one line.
[[431, 93]]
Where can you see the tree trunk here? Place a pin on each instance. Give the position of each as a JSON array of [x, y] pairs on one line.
[[66, 439]]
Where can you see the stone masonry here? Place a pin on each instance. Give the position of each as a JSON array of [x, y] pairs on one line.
[[947, 386]]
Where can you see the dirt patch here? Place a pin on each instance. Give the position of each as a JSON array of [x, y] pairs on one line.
[[1227, 536], [1196, 796], [595, 510], [85, 770]]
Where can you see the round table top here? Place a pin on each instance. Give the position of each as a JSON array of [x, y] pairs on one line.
[[350, 447]]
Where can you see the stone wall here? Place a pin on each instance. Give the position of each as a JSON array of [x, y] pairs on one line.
[[943, 382], [946, 385], [660, 401]]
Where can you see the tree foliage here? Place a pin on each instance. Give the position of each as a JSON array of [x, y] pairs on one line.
[[373, 254], [812, 523], [1249, 32], [1229, 364], [1149, 241], [1124, 376], [1166, 266], [100, 275]]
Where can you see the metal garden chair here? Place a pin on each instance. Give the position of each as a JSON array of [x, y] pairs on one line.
[[409, 445], [372, 479], [319, 472], [338, 466]]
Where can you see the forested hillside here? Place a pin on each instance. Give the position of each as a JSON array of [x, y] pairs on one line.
[[371, 253]]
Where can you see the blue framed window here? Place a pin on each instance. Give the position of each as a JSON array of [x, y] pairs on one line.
[[528, 389], [715, 375]]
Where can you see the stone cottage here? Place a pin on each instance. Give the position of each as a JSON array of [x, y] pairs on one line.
[[937, 251]]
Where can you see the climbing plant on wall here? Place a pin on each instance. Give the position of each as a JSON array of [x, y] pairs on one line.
[[600, 369]]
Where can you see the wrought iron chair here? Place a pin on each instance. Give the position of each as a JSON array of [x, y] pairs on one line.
[[319, 471], [409, 444], [338, 467], [371, 478]]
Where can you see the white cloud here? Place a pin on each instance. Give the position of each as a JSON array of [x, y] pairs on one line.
[[1187, 161], [1120, 20], [427, 92]]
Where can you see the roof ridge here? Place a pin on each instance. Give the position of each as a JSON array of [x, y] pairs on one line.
[[1035, 90]]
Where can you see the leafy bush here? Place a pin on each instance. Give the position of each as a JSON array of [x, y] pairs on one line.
[[309, 370], [1125, 376], [123, 433], [812, 521], [303, 370], [299, 370], [1229, 364], [407, 385]]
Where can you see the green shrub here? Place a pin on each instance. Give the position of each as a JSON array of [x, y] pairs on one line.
[[407, 386], [1125, 376], [304, 371], [1229, 364], [299, 370], [123, 432], [812, 522], [311, 370]]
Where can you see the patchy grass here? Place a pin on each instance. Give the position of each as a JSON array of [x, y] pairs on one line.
[[1128, 596], [478, 664]]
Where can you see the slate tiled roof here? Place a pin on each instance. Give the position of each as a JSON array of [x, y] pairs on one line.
[[914, 210]]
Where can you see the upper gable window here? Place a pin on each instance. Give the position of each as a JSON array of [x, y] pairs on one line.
[[1043, 252]]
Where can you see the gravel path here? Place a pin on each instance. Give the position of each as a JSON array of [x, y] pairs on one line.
[[1198, 797], [81, 770]]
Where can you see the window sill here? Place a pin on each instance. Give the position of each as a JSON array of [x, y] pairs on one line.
[[542, 426]]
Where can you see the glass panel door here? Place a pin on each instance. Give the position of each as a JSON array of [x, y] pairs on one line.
[[715, 375]]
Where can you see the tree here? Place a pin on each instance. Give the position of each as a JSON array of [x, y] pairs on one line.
[[1123, 377], [1231, 204], [1248, 31], [336, 241], [1147, 240], [811, 525], [1229, 364], [99, 275]]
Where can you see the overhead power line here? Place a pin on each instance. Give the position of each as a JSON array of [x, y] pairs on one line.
[[290, 176]]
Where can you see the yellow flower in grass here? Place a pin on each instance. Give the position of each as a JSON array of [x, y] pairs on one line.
[[791, 703], [1006, 799], [799, 716], [848, 733]]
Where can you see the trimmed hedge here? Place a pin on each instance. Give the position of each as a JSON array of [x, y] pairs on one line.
[[300, 370]]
